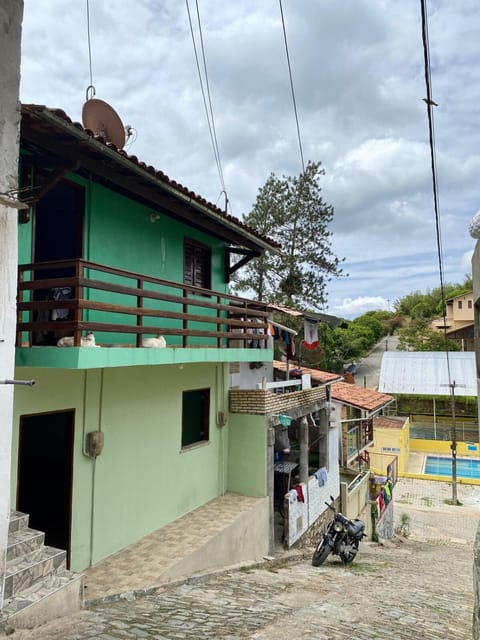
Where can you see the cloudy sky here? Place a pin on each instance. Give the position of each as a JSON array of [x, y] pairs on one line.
[[359, 81]]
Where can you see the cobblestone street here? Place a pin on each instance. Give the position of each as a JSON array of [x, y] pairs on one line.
[[407, 588]]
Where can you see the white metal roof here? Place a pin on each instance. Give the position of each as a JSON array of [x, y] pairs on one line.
[[426, 373]]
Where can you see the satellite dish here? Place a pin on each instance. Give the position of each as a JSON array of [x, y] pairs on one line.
[[103, 120]]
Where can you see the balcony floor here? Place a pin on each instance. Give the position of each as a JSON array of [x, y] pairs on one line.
[[97, 358]]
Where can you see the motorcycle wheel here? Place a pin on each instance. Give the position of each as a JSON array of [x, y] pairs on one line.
[[348, 554], [321, 553]]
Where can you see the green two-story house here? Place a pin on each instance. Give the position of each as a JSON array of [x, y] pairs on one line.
[[115, 439]]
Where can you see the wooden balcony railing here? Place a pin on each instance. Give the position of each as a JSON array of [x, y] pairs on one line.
[[77, 296]]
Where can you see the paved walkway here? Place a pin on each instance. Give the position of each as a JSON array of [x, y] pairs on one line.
[[402, 590]]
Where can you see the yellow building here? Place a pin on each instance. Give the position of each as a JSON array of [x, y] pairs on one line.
[[391, 437]]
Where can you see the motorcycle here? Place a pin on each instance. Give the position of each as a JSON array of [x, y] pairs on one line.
[[341, 538]]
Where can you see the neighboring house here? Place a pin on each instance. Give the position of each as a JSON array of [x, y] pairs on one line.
[[351, 412], [262, 405], [458, 322], [354, 408], [391, 437], [115, 442]]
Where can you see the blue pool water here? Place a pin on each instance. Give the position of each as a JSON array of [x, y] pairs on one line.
[[440, 466]]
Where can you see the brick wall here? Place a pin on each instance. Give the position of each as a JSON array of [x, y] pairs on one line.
[[264, 402]]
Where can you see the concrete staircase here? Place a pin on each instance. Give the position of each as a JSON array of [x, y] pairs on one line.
[[38, 587]]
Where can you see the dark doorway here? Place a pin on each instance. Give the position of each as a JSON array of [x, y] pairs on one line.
[[58, 235], [59, 223], [45, 465]]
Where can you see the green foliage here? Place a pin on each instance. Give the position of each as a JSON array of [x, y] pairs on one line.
[[430, 304], [291, 211], [419, 336]]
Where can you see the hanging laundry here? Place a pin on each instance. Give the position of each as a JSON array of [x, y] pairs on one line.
[[321, 476], [299, 491], [310, 332]]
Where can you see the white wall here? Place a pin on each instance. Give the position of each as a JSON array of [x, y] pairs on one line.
[[11, 12], [248, 378]]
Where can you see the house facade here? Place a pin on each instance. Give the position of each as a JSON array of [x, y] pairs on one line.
[[115, 441], [458, 322]]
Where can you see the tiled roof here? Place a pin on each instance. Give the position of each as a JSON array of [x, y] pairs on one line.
[[50, 117], [383, 422], [360, 397], [321, 377]]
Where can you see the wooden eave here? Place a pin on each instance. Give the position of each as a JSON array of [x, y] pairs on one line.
[[66, 144]]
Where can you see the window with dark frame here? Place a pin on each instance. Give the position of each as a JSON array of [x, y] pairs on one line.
[[197, 264], [459, 304], [195, 416]]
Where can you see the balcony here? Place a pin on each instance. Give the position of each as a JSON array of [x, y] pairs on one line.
[[355, 439], [71, 298]]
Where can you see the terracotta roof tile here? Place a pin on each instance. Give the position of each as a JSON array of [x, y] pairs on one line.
[[321, 377], [383, 422], [360, 397], [39, 109]]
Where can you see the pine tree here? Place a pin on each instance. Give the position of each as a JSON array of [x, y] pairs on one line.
[[291, 211]]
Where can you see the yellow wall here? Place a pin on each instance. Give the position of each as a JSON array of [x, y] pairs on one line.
[[389, 438], [443, 446]]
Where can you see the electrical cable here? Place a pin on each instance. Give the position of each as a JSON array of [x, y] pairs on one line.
[[89, 44], [209, 95], [211, 128], [291, 86], [430, 103]]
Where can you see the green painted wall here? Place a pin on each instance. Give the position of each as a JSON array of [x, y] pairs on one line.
[[119, 233], [247, 442], [143, 479]]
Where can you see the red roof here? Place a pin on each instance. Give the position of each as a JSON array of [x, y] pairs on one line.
[[360, 397], [389, 423], [321, 377], [57, 122]]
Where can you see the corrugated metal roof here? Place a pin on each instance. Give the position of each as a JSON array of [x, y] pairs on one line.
[[426, 373]]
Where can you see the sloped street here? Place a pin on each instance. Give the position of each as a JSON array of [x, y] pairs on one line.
[[405, 589]]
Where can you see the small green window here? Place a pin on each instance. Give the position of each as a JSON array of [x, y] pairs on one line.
[[195, 416]]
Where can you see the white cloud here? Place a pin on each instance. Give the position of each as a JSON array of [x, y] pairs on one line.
[[354, 307], [359, 85]]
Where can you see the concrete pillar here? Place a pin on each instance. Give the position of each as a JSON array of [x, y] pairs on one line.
[[303, 432], [270, 485], [11, 13]]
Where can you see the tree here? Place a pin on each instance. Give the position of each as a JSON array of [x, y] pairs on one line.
[[418, 336], [291, 211]]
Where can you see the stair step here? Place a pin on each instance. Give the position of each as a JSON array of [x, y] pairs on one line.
[[18, 520], [24, 541], [58, 594], [22, 572]]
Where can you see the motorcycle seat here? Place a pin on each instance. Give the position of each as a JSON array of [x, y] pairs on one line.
[[356, 527]]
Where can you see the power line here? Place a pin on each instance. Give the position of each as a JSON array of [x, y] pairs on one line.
[[89, 48], [291, 85], [431, 133], [208, 107]]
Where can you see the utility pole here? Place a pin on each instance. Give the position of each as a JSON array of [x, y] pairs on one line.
[[453, 446]]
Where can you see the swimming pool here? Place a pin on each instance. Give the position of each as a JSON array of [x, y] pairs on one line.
[[440, 466]]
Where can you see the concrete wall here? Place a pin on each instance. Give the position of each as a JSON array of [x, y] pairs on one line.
[[302, 516], [247, 455], [143, 479], [11, 13], [393, 442]]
